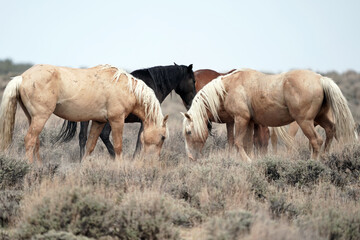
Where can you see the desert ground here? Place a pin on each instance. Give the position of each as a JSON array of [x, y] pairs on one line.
[[282, 196]]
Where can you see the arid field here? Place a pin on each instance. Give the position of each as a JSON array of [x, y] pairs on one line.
[[283, 196]]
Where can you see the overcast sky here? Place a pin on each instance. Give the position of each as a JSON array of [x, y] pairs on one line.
[[265, 35]]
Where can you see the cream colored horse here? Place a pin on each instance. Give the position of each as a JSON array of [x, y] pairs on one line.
[[102, 93], [248, 96]]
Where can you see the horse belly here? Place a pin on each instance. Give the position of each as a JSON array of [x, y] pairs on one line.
[[273, 118], [270, 112], [77, 113]]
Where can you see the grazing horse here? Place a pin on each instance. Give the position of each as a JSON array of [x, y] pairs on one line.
[[248, 96], [261, 133], [162, 79], [101, 94]]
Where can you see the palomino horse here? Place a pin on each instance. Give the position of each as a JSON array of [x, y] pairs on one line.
[[162, 79], [261, 133], [101, 94], [248, 96]]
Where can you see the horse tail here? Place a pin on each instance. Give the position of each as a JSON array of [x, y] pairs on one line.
[[67, 132], [284, 136], [344, 121], [7, 112]]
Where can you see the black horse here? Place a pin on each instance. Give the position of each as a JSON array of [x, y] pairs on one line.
[[162, 79]]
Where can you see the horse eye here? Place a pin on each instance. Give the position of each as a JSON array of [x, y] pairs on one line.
[[188, 132], [162, 138]]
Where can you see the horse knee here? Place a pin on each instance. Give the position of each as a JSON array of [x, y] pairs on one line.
[[316, 144]]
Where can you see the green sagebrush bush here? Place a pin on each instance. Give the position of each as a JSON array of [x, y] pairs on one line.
[[12, 172], [216, 179], [279, 207], [9, 205], [295, 173], [232, 225], [344, 166], [82, 213], [4, 235], [58, 235], [143, 217], [333, 224], [74, 210]]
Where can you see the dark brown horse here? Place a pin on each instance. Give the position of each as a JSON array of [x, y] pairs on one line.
[[261, 133]]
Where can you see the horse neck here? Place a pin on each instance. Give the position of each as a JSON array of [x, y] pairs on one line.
[[171, 84], [139, 111]]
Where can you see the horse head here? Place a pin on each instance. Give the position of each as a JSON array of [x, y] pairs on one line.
[[186, 87], [194, 143], [153, 137]]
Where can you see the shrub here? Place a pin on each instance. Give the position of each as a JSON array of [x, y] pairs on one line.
[[4, 235], [344, 165], [108, 175], [58, 235], [40, 172], [81, 213], [295, 173], [206, 186], [258, 185], [9, 205], [75, 210], [230, 226], [12, 172], [144, 216], [279, 207], [334, 224]]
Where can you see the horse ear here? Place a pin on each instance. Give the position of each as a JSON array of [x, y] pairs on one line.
[[186, 115], [190, 67], [165, 120], [175, 64]]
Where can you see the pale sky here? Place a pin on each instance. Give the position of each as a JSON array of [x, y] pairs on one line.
[[266, 35]]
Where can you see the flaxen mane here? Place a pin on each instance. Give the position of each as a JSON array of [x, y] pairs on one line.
[[209, 99], [144, 95]]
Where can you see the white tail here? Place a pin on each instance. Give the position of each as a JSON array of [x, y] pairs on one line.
[[284, 136], [7, 112], [344, 121]]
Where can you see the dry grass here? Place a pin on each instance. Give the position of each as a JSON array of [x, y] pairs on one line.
[[285, 196]]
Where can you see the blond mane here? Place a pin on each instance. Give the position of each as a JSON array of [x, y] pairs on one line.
[[209, 99], [144, 95]]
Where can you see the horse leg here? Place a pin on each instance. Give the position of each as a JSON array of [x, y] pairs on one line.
[[293, 129], [105, 137], [37, 146], [138, 142], [83, 137], [329, 126], [307, 126], [94, 134], [117, 125], [37, 149], [274, 140], [248, 139], [230, 135], [257, 138], [241, 125], [264, 139], [31, 138]]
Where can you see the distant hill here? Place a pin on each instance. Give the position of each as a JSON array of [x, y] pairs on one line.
[[7, 67]]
